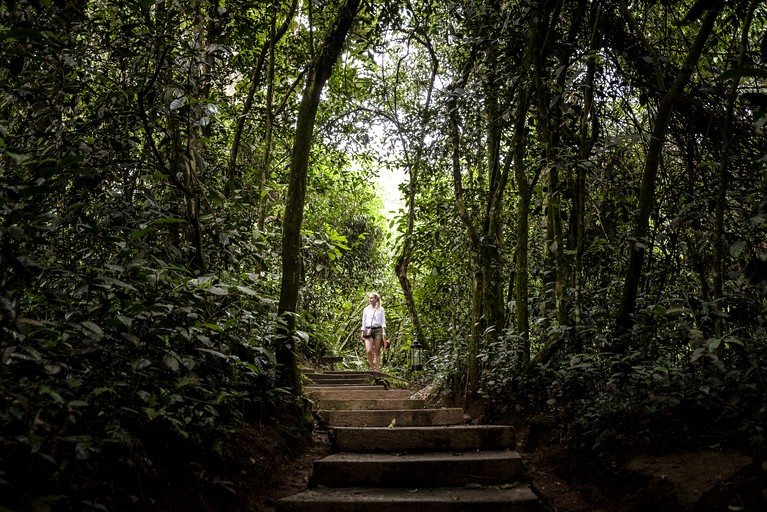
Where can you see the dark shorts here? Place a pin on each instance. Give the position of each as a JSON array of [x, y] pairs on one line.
[[376, 333]]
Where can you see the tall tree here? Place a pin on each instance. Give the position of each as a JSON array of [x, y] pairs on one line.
[[588, 135], [415, 163], [625, 317], [525, 187], [724, 174], [319, 71], [484, 226]]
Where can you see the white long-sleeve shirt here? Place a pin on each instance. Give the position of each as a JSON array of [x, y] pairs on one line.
[[373, 317]]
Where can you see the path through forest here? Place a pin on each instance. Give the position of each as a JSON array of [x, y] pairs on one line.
[[693, 480]]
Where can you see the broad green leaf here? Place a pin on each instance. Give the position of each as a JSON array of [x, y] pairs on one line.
[[213, 352], [217, 290]]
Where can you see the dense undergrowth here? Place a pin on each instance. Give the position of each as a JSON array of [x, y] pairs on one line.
[[604, 408], [120, 385]]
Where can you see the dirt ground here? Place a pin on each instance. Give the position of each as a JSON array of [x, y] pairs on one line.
[[292, 476], [706, 480]]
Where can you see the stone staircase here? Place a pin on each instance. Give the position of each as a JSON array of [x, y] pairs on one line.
[[393, 453]]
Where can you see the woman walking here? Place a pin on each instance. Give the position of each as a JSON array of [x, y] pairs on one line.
[[373, 330]]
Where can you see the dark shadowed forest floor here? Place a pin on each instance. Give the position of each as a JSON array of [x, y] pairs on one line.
[[703, 479]]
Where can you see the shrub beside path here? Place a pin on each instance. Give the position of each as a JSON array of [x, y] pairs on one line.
[[394, 453]]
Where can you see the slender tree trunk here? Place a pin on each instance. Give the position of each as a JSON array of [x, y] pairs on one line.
[[475, 268], [524, 190], [625, 318], [523, 227], [403, 260], [191, 156], [265, 162], [724, 178], [579, 199], [248, 106], [486, 262], [319, 71], [485, 244], [492, 243]]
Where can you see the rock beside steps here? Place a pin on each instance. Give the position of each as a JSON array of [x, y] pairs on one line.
[[396, 454]]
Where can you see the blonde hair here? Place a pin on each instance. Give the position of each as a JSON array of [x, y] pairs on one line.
[[378, 298]]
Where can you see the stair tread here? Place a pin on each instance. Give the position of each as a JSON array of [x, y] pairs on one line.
[[438, 428], [429, 438], [351, 457], [519, 497], [370, 404], [344, 387], [428, 469], [383, 418]]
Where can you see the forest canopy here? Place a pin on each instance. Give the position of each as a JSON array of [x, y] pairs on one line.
[[192, 208]]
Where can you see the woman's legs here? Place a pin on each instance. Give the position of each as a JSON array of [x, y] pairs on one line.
[[373, 351], [369, 352], [377, 354]]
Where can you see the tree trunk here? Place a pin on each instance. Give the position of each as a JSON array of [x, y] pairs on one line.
[[579, 197], [523, 227], [491, 250], [247, 107], [476, 276], [485, 244], [403, 260], [265, 161], [524, 190], [625, 318], [724, 178], [319, 71], [549, 119]]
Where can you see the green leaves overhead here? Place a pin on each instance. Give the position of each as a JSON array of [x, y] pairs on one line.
[[140, 237]]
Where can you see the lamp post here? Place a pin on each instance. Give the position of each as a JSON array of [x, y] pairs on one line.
[[416, 356]]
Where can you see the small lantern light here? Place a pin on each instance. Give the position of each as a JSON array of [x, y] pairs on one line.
[[416, 356]]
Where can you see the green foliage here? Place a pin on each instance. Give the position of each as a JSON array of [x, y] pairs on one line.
[[139, 261], [137, 304], [114, 359], [605, 406]]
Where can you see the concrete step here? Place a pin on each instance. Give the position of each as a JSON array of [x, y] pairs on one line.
[[396, 456], [328, 381], [356, 393], [445, 499], [419, 439], [418, 470], [367, 405], [340, 375], [312, 387], [401, 417], [349, 372]]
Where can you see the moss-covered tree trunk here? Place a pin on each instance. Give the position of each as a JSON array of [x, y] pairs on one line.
[[319, 71], [524, 191], [589, 132]]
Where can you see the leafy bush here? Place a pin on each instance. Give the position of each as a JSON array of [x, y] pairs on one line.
[[111, 372], [605, 407]]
